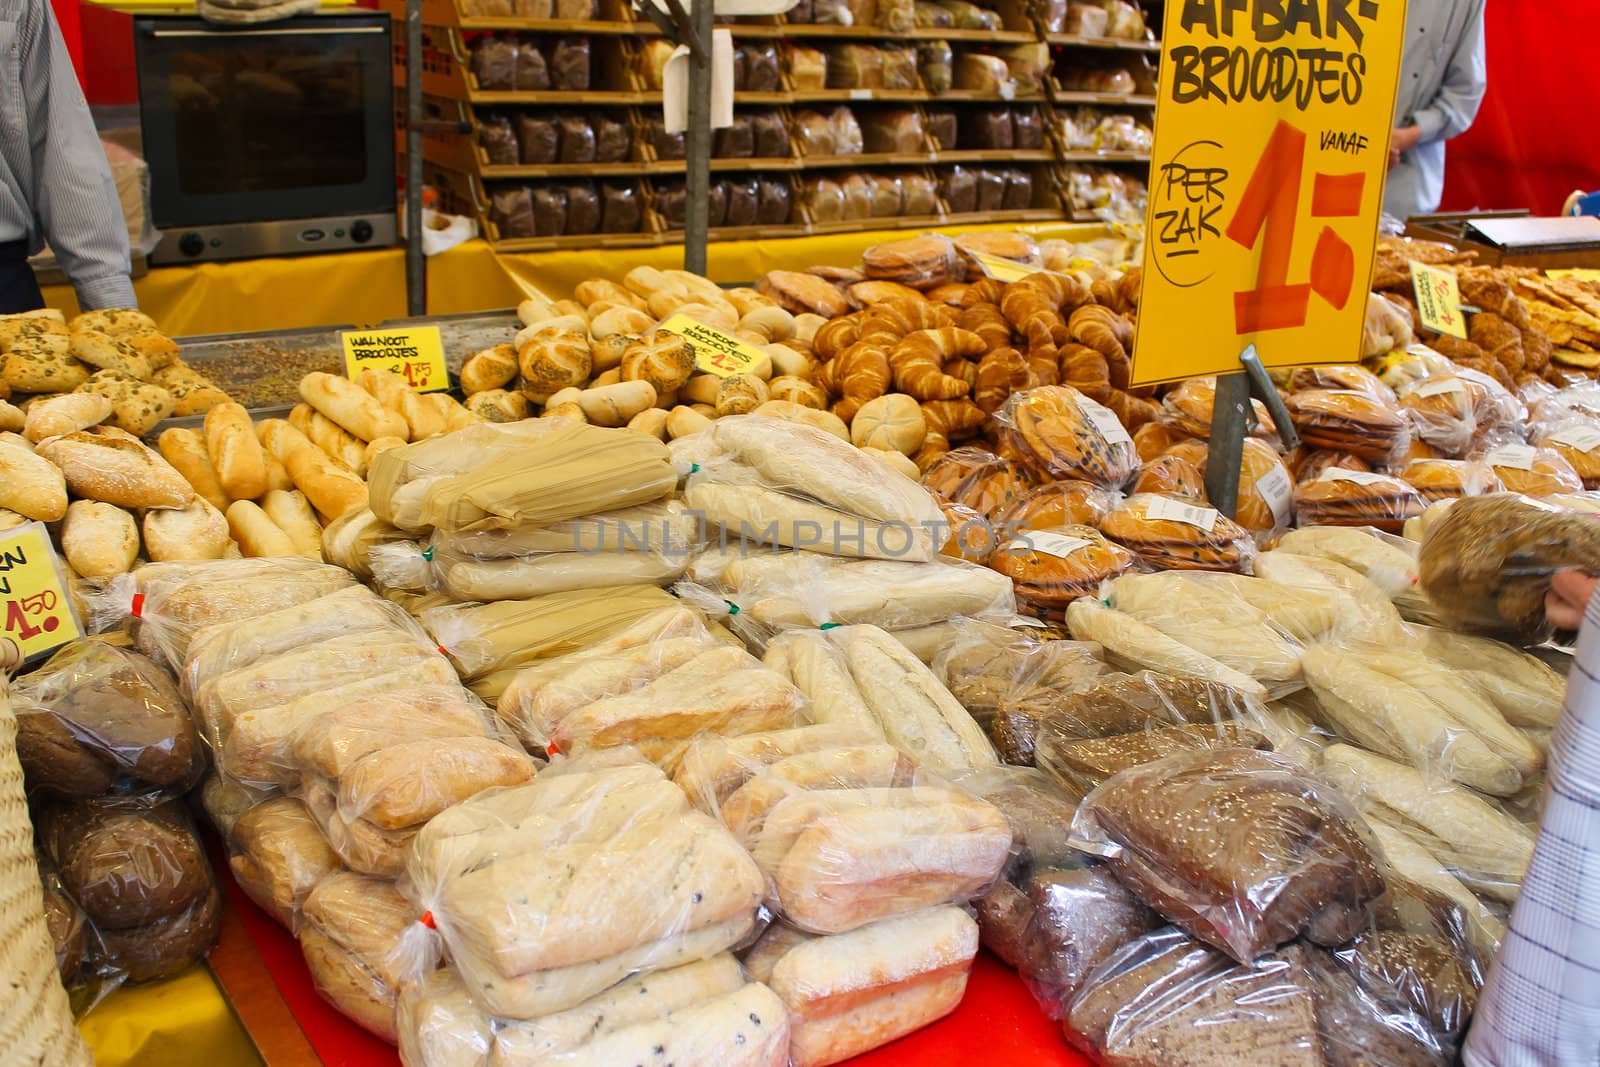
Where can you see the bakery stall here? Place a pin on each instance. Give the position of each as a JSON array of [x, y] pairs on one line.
[[681, 676]]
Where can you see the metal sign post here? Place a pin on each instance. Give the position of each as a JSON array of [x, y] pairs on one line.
[[1232, 417], [416, 266], [693, 31]]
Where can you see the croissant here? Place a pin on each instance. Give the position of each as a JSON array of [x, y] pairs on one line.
[[860, 373], [999, 374], [1106, 332], [987, 321], [836, 335], [888, 322], [1133, 411], [1103, 291], [947, 420], [1035, 304], [1500, 340], [983, 291], [964, 369], [1043, 368], [1085, 370], [1128, 291], [918, 357]]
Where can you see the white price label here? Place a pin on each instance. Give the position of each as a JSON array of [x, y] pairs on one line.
[[1344, 474], [1105, 420], [1516, 457], [1583, 438], [1051, 544], [1439, 386], [1177, 511], [861, 94], [1278, 491]]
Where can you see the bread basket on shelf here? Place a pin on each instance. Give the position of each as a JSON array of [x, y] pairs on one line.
[[36, 1025]]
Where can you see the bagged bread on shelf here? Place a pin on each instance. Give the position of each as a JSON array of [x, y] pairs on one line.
[[808, 67], [518, 883], [855, 66], [895, 130], [852, 835], [1075, 917], [278, 855], [1486, 564], [976, 72], [569, 61], [1081, 764], [95, 719], [936, 65], [1128, 640], [400, 482], [1172, 534], [170, 601], [350, 938], [1536, 472], [899, 68], [1237, 847], [1063, 434], [986, 664], [853, 992]]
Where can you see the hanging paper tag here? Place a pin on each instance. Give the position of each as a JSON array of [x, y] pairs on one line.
[[1278, 491], [1105, 420], [1439, 386], [1177, 511], [1516, 457], [1583, 438]]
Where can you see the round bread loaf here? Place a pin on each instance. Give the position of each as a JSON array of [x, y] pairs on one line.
[[1350, 421], [923, 262], [1174, 476], [1446, 479], [168, 945], [1546, 474], [1172, 534], [1052, 568], [1063, 434], [1069, 503], [126, 869], [1339, 497], [665, 360], [893, 422]]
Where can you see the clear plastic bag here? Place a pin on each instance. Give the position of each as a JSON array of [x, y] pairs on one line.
[[549, 893], [986, 665], [853, 992], [1063, 434], [97, 720], [849, 836], [1077, 916], [437, 1024], [1487, 563], [1168, 533], [793, 485], [1350, 421], [1442, 412], [1136, 645], [350, 940], [1052, 568], [1237, 847], [1534, 472], [278, 855], [398, 483], [1342, 497]]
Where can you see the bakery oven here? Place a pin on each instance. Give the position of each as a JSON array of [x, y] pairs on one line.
[[268, 140]]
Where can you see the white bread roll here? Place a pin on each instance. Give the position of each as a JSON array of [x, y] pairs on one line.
[[30, 485], [198, 531], [52, 416], [291, 513], [98, 539], [257, 534]]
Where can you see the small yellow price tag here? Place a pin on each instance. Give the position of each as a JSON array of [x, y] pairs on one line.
[[714, 351], [36, 615], [1438, 300], [1002, 269], [415, 353]]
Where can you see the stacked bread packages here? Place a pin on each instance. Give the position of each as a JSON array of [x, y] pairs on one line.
[[106, 745], [586, 918], [507, 512], [338, 730], [867, 856]]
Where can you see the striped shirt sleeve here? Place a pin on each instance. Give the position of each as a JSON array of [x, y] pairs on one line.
[[1541, 1004], [76, 199]]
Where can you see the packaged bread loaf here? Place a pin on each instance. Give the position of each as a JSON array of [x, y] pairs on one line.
[[278, 855], [96, 719], [1350, 421], [350, 940], [594, 829], [1172, 534], [1053, 567], [1064, 434], [1274, 854], [1078, 916], [985, 665]]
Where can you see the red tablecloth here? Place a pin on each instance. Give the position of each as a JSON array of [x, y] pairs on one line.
[[998, 1023]]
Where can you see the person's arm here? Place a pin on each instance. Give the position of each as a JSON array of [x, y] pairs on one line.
[[76, 203], [1455, 105]]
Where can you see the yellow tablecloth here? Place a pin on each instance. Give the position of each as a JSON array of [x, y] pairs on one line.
[[184, 1020], [363, 288]]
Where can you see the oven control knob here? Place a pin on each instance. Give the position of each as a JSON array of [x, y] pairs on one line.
[[191, 244], [361, 231]]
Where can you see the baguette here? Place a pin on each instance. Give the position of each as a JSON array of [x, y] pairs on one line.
[[186, 451], [640, 999], [256, 533], [232, 644], [331, 489], [99, 540], [52, 416], [300, 419], [1490, 842], [820, 672], [756, 511], [423, 418], [1209, 620], [351, 407], [291, 513], [1410, 862], [198, 531], [1526, 692], [382, 444], [411, 781], [114, 467], [278, 480], [240, 462], [340, 445], [30, 484], [1464, 703], [1142, 646], [714, 767], [280, 438], [1384, 714], [530, 576], [913, 708], [808, 590]]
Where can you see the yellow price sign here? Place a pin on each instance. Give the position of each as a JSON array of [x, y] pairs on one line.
[[1001, 269], [714, 351], [1577, 274], [1271, 148], [36, 615], [1438, 300], [415, 353]]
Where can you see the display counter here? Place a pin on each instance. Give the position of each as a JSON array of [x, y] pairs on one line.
[[300, 291]]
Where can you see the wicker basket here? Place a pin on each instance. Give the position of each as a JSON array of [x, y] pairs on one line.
[[36, 1026]]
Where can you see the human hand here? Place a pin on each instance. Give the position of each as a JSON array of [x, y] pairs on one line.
[[1570, 592], [1405, 138]]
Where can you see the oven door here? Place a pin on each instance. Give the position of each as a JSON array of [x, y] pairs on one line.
[[288, 121]]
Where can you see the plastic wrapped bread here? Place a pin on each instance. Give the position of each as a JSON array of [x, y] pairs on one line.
[[438, 1024], [278, 855], [852, 835], [719, 690], [551, 892], [1077, 916], [1238, 848], [399, 482], [1139, 645], [350, 940], [714, 767], [986, 663], [850, 993], [170, 601]]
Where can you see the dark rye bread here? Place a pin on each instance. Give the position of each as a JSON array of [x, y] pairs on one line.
[[1358, 1031], [1239, 848], [1081, 764], [1166, 1000], [1413, 972], [125, 868], [1080, 917]]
